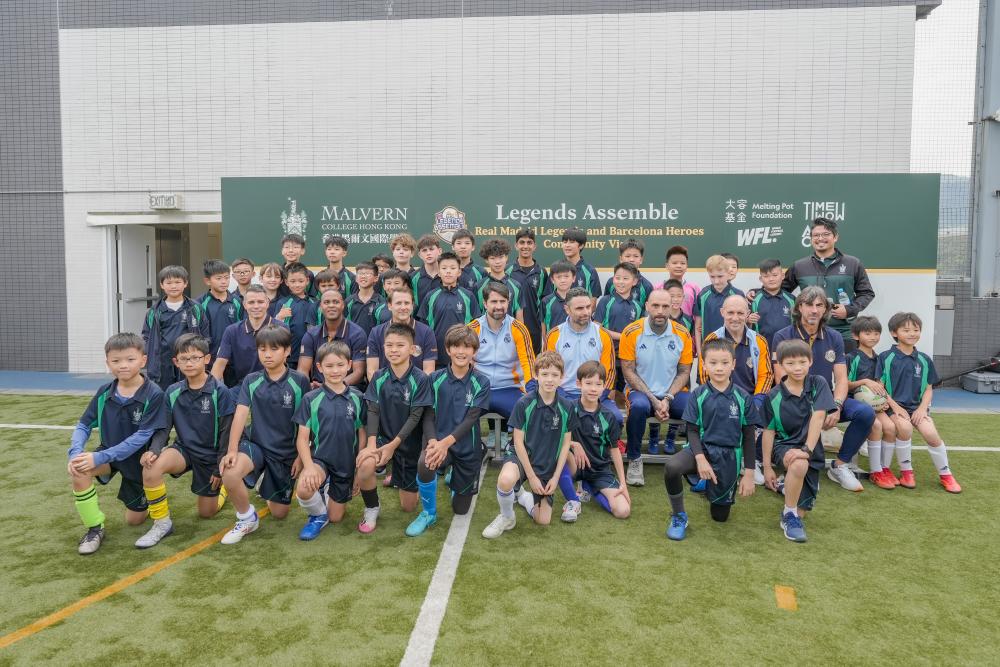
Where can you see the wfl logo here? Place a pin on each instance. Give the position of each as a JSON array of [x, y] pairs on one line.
[[757, 236]]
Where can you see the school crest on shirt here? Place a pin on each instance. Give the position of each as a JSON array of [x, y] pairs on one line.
[[592, 343], [784, 311], [184, 317], [206, 405], [843, 268], [597, 428], [447, 221], [506, 339], [672, 345], [417, 351], [350, 411], [406, 395], [534, 281], [294, 221], [136, 416], [468, 398], [916, 371], [232, 311], [733, 410], [459, 306], [830, 356], [555, 421], [286, 399]]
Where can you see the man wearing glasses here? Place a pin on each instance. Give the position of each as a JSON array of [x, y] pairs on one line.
[[842, 277]]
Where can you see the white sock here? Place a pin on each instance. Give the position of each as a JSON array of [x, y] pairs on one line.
[[506, 501], [243, 516], [874, 456], [887, 449], [527, 500], [314, 506], [940, 458], [904, 454], [789, 510]]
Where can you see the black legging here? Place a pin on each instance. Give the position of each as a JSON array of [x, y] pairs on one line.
[[683, 463]]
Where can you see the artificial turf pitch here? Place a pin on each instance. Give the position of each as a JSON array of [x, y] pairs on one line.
[[887, 577]]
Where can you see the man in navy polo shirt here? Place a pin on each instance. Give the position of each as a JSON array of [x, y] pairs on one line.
[[447, 305], [425, 349], [809, 323], [335, 327], [238, 348]]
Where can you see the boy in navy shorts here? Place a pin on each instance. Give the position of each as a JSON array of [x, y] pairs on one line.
[[451, 430], [265, 452], [720, 447], [126, 413], [331, 428], [908, 376], [595, 460], [200, 408], [543, 423], [397, 396], [792, 419]]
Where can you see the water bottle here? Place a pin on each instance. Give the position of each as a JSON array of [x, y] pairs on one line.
[[843, 299]]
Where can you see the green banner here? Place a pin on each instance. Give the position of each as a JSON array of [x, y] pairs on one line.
[[889, 220]]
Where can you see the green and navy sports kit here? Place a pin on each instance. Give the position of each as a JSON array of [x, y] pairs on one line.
[[544, 426], [775, 312], [395, 399], [708, 305], [598, 432], [443, 308], [906, 376], [333, 420], [454, 397], [164, 325]]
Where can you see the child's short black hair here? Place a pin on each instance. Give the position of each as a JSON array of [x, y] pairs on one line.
[[120, 342], [404, 330], [214, 267], [428, 241], [632, 244], [273, 335], [191, 341], [576, 235], [327, 276], [296, 267], [900, 319], [672, 283], [459, 335], [676, 250], [172, 271], [494, 286], [241, 260], [729, 255], [298, 239], [494, 248], [562, 266], [390, 274], [718, 345], [463, 234], [769, 265], [627, 266], [449, 256], [337, 348], [338, 241], [793, 349], [589, 369], [524, 233], [865, 323], [366, 266], [383, 257]]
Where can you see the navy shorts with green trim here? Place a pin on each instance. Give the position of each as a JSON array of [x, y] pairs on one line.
[[523, 479], [810, 485], [338, 488], [277, 483], [598, 478], [465, 471], [130, 491], [726, 463], [202, 471], [404, 470]]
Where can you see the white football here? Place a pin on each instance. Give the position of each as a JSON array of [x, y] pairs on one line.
[[866, 395]]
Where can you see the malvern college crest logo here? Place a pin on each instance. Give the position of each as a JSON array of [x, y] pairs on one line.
[[294, 221], [447, 221]]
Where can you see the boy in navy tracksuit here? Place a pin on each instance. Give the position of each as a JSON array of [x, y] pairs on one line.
[[174, 314]]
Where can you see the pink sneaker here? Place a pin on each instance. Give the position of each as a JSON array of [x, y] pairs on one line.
[[367, 524]]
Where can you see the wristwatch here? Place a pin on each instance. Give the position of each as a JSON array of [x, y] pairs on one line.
[[668, 396]]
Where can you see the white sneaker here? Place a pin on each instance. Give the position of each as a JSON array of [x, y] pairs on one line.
[[758, 474], [571, 510], [498, 527], [634, 476], [160, 529], [242, 527], [526, 499], [585, 496], [842, 475], [367, 524]]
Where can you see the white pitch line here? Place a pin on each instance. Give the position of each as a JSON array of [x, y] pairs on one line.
[[46, 427], [960, 448], [420, 648]]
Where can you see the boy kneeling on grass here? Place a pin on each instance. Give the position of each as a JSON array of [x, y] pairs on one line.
[[126, 413], [720, 441], [331, 427], [200, 408], [543, 423], [792, 419]]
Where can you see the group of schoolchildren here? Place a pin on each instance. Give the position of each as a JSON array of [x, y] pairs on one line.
[[266, 388]]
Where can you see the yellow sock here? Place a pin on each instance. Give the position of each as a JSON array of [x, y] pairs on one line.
[[223, 494], [157, 499]]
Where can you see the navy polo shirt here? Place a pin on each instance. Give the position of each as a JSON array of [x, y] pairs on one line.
[[544, 426], [471, 275], [827, 348], [719, 415], [423, 284], [443, 309], [196, 415], [615, 313], [453, 397], [775, 312], [272, 405], [535, 285], [686, 321], [425, 344], [348, 332], [239, 347], [516, 300], [333, 421], [639, 293], [708, 304], [788, 415], [395, 397], [906, 376], [553, 311], [348, 282], [598, 432], [861, 367], [220, 315], [367, 314], [304, 315], [117, 420], [587, 278]]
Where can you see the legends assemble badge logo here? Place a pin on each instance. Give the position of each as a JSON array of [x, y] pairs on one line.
[[447, 221], [294, 221]]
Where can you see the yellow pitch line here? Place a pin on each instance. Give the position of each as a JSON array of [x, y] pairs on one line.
[[785, 597], [116, 587]]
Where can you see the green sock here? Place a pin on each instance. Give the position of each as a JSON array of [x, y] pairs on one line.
[[86, 505]]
